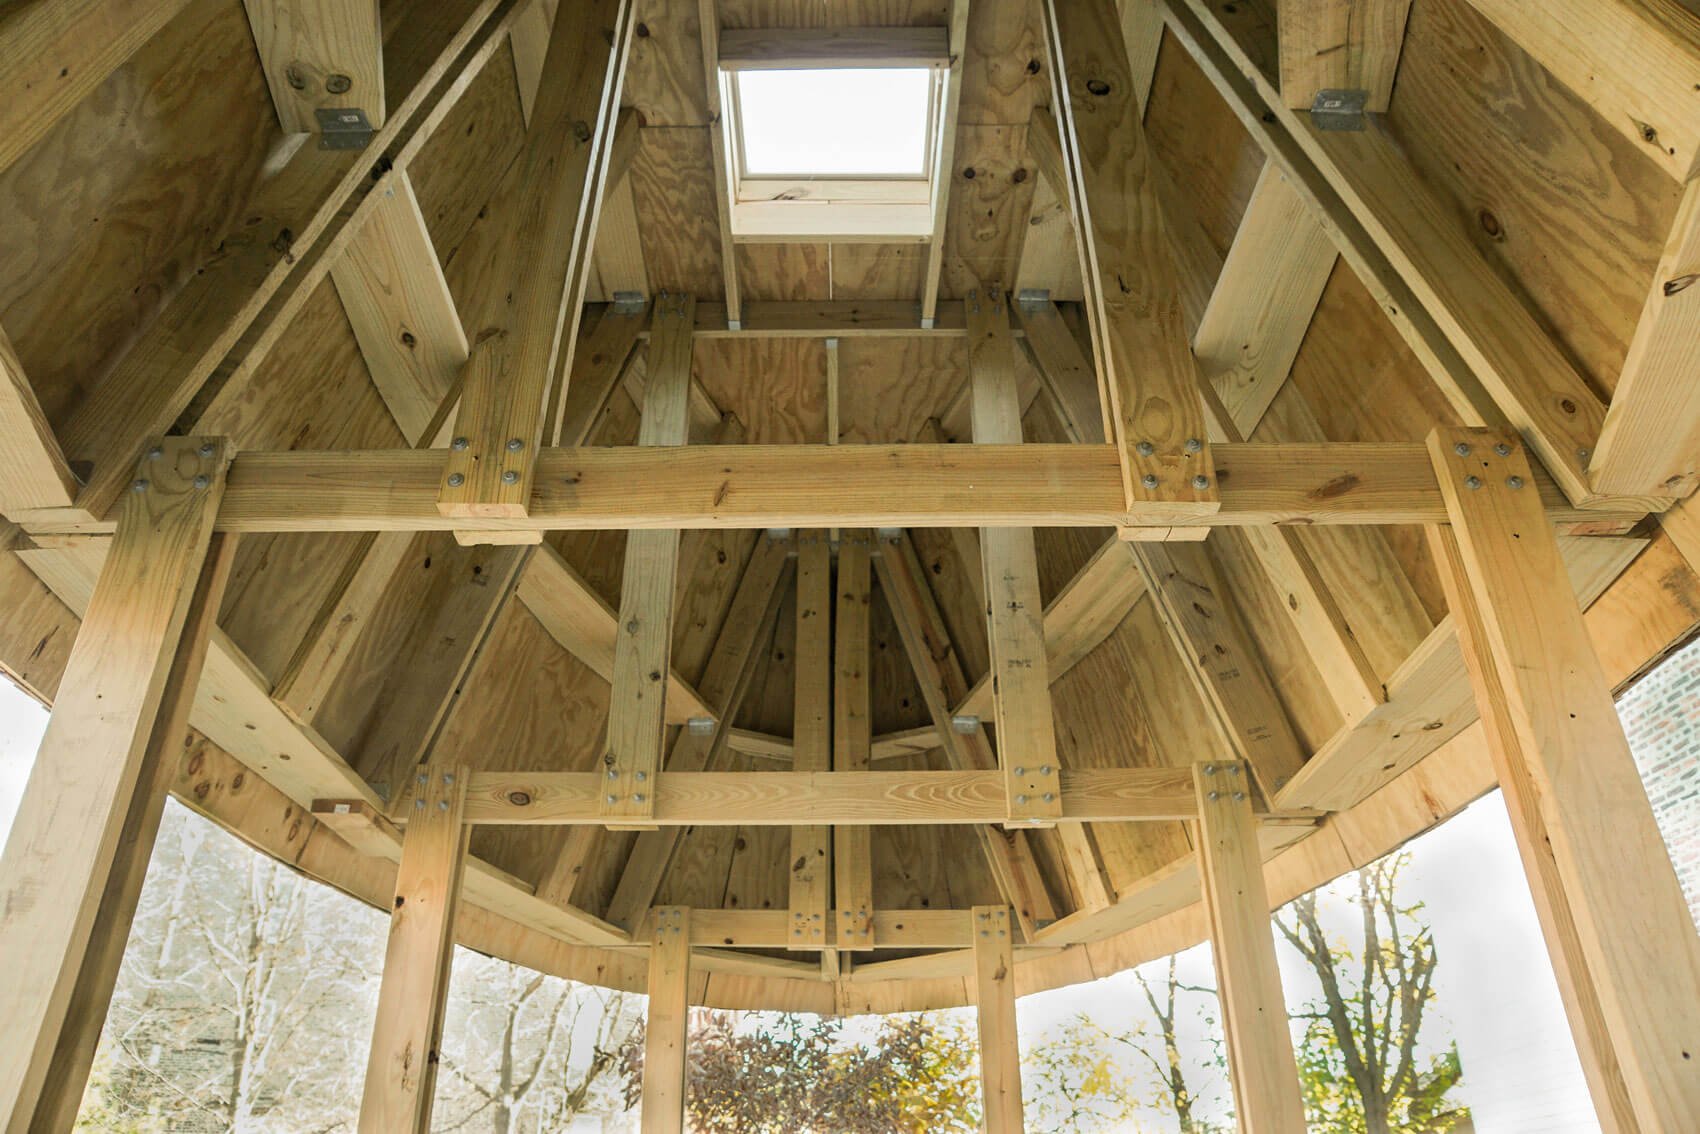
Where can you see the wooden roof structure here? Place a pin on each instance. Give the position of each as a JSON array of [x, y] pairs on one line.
[[1282, 437]]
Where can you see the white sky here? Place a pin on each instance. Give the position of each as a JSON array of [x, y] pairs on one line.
[[22, 720], [836, 122]]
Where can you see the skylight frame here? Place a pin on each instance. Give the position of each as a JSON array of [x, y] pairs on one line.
[[883, 208]]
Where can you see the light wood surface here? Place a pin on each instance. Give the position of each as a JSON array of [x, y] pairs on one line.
[[67, 833], [667, 1024], [401, 1071], [994, 1001], [1340, 45]]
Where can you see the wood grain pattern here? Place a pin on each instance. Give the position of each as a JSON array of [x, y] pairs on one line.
[[33, 471], [994, 996], [320, 54], [664, 1051], [1339, 45], [66, 834]]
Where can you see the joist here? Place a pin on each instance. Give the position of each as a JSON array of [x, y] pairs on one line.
[[1009, 565], [1650, 442], [1473, 333], [853, 733], [1134, 295], [33, 470], [1208, 633], [1261, 1066], [994, 999], [857, 798], [809, 905], [802, 486], [667, 1024], [726, 680], [938, 671], [943, 158], [1633, 61], [708, 19], [401, 1069], [1263, 301], [510, 378], [55, 54], [64, 842], [1539, 681], [320, 56], [643, 645], [227, 317], [398, 303], [1340, 45]]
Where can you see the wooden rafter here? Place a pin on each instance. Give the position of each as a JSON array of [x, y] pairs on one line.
[[810, 897], [1340, 45]]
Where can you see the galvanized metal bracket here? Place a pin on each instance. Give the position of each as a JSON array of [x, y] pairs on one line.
[[1030, 297], [343, 127], [1339, 109], [630, 302]]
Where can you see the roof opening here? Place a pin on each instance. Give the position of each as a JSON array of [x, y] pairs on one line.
[[843, 122]]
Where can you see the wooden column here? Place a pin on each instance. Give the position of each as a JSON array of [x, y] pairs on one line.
[[669, 1018], [62, 853], [643, 650], [401, 1072], [852, 736], [994, 994], [811, 732], [1254, 1012], [1557, 737]]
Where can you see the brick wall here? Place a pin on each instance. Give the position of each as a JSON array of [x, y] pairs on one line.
[[1661, 714]]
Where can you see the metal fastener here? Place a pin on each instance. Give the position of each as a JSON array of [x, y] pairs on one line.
[[423, 778], [1210, 769], [1193, 444], [612, 774], [207, 449], [1020, 771], [442, 805], [510, 477], [613, 799], [202, 480], [1149, 480], [640, 776], [1050, 797], [1213, 795], [1201, 481], [338, 84], [1045, 771], [1021, 801], [139, 486], [456, 480], [155, 453], [515, 444], [637, 797], [1472, 482], [1462, 449], [458, 444], [419, 805], [1145, 448], [1239, 797], [1514, 482], [1502, 449]]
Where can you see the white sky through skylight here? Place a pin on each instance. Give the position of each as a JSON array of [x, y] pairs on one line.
[[836, 123]]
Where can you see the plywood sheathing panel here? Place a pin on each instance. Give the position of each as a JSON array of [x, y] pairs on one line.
[[673, 184], [105, 217], [877, 271], [777, 387], [1552, 194], [888, 386]]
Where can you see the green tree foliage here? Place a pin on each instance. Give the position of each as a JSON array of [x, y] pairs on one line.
[[1362, 1068], [766, 1073]]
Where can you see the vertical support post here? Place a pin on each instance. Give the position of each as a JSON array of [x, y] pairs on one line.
[[401, 1072], [664, 1041], [61, 855], [994, 995], [1254, 1013], [73, 1055], [811, 738], [643, 650], [1551, 719], [852, 736]]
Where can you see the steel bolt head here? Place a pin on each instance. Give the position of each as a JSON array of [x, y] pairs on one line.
[[1472, 482], [1239, 797], [442, 805], [1213, 795], [515, 444], [202, 480], [510, 477], [1502, 449], [637, 797], [1020, 771], [1514, 482], [1021, 801], [419, 805], [458, 444], [155, 453], [613, 798], [1145, 448], [1462, 449], [139, 485], [1050, 797], [338, 84], [1201, 481], [1149, 480], [207, 449], [1045, 771], [1193, 445], [1210, 769], [640, 776], [456, 480]]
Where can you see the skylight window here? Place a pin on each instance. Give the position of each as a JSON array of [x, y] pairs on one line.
[[832, 133], [844, 122]]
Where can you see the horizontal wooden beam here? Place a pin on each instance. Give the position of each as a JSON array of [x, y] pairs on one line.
[[802, 486], [772, 929], [831, 319], [779, 799], [786, 49]]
